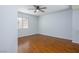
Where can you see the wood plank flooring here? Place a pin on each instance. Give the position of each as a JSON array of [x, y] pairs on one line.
[[45, 44]]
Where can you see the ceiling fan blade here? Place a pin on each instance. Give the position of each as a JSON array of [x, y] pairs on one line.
[[43, 8]]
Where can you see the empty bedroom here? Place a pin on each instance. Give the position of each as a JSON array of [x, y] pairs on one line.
[[46, 28], [39, 28]]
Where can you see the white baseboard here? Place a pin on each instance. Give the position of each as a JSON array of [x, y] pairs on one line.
[[47, 35], [75, 42], [27, 35], [56, 36]]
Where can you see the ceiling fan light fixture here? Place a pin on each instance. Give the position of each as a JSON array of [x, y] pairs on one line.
[[37, 10]]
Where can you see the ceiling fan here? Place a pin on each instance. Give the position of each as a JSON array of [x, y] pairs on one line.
[[38, 8]]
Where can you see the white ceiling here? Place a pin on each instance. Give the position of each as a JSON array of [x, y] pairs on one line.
[[50, 8]]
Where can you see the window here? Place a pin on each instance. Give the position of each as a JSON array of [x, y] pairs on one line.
[[22, 22]]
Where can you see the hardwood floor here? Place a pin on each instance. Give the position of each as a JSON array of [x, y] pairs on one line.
[[46, 44]]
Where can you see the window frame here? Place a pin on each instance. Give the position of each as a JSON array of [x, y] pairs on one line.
[[21, 22]]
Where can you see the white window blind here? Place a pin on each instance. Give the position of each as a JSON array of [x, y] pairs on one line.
[[22, 22]]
